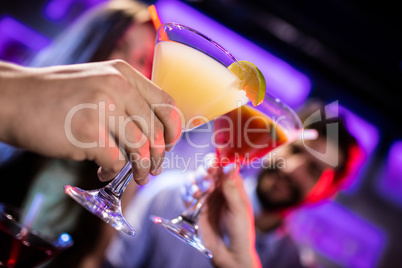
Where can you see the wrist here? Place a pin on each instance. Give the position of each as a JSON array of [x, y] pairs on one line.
[[11, 91]]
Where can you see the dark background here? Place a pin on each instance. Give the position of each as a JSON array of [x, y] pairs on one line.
[[351, 51]]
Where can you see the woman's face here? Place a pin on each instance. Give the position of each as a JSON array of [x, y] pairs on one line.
[[137, 47]]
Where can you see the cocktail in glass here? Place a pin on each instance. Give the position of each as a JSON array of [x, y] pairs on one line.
[[193, 69], [21, 246], [241, 136], [247, 134]]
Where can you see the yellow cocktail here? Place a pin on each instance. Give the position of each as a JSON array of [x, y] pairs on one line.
[[205, 81], [199, 82]]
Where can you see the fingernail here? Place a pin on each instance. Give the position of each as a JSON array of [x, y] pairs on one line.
[[143, 181], [157, 171], [99, 173], [102, 175], [170, 147]]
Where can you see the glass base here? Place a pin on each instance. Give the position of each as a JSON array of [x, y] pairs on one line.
[[185, 231], [100, 205]]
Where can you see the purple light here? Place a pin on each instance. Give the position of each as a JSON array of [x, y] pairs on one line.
[[367, 137], [366, 134], [338, 234], [282, 79], [18, 41], [58, 9], [390, 186]]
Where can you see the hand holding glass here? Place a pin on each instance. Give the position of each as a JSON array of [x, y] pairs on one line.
[[242, 136], [193, 70]]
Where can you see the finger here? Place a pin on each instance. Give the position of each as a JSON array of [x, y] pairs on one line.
[[136, 145], [233, 189], [209, 234], [145, 119], [170, 116], [160, 102], [105, 175], [141, 164], [155, 135], [151, 132], [110, 159], [213, 240], [239, 207], [157, 146], [138, 153]]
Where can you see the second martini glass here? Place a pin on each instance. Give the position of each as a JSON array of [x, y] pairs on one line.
[[193, 69], [241, 136]]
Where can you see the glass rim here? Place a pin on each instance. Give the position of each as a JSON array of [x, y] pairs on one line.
[[207, 38], [284, 107], [11, 215], [288, 108]]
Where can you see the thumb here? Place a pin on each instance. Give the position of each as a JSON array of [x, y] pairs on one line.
[[233, 189], [110, 159]]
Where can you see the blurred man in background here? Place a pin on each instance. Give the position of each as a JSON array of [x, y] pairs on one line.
[[300, 173]]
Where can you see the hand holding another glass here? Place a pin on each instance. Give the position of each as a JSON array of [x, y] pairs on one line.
[[71, 112], [202, 78], [241, 137], [227, 222], [64, 111]]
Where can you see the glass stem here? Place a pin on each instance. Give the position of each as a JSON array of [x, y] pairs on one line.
[[193, 212], [119, 183]]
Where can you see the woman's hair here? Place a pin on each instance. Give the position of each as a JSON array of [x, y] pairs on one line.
[[93, 36]]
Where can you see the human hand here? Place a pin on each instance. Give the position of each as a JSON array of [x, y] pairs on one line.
[[89, 111], [227, 222]]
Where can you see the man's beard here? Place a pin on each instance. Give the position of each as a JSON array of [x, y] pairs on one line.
[[272, 205]]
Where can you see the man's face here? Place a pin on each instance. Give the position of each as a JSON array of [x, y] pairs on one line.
[[292, 174]]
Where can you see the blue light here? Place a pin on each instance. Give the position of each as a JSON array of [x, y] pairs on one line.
[[64, 241], [65, 237]]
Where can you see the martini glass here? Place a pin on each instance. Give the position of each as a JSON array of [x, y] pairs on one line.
[[22, 246], [242, 137], [191, 68]]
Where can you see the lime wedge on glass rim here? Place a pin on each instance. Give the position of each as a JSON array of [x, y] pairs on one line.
[[253, 82]]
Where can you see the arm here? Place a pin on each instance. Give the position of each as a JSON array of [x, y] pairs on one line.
[[88, 111], [228, 213]]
